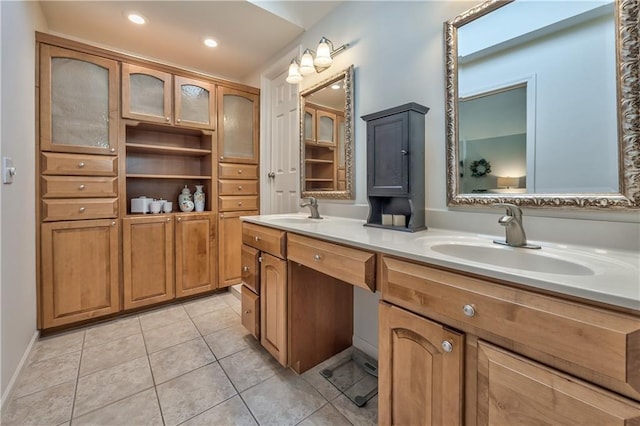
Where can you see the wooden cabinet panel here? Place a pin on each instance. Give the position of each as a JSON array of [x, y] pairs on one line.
[[420, 382], [237, 202], [351, 265], [270, 240], [230, 248], [80, 271], [78, 186], [251, 312], [588, 334], [78, 165], [146, 94], [194, 103], [251, 268], [512, 389], [195, 253], [148, 264], [273, 306], [239, 121], [237, 171], [79, 209], [237, 187]]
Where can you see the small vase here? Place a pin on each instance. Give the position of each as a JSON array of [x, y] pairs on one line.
[[184, 200], [198, 198]]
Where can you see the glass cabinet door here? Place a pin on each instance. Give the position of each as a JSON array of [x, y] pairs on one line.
[[326, 123], [195, 103], [309, 125], [239, 126], [79, 102], [146, 94]]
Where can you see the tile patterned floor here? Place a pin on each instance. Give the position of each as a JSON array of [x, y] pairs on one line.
[[188, 364]]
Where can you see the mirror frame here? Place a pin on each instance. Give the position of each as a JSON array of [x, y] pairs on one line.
[[348, 193], [628, 102]]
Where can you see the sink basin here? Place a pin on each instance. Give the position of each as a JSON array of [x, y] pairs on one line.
[[292, 220], [511, 257]]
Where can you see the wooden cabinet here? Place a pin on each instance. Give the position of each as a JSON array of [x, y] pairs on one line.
[[251, 312], [147, 256], [420, 370], [230, 248], [79, 272], [147, 95], [239, 126], [395, 165], [273, 306], [321, 136], [195, 245], [78, 102]]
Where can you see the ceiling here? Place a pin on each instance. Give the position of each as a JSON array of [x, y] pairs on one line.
[[249, 34]]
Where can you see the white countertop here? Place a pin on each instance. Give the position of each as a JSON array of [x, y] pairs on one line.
[[606, 276]]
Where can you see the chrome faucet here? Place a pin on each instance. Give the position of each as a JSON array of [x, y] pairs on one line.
[[512, 222], [312, 203]]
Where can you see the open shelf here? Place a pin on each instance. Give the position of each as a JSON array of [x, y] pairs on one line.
[[316, 161], [154, 176], [168, 150]]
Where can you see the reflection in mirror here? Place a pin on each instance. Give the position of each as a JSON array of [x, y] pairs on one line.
[[326, 138], [541, 109]]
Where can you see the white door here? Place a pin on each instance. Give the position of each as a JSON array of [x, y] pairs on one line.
[[284, 176]]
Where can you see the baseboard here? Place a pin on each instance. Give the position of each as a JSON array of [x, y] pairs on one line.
[[7, 393], [236, 290], [365, 347]]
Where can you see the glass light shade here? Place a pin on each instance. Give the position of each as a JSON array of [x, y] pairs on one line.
[[294, 73], [306, 63], [507, 182], [323, 55]]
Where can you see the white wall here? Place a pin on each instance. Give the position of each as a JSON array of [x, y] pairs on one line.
[[19, 21], [398, 52]]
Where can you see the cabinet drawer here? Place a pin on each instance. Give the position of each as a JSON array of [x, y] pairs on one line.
[[353, 266], [71, 186], [251, 312], [78, 165], [251, 268], [237, 171], [237, 202], [237, 187], [547, 327], [272, 241], [79, 208]]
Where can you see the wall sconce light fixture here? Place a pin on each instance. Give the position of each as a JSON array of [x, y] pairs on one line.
[[324, 55]]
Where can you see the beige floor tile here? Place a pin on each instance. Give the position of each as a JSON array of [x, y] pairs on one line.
[[162, 317], [250, 367], [112, 330], [179, 359], [321, 384], [216, 320], [50, 347], [231, 412], [326, 416], [230, 340], [48, 373], [284, 399], [51, 406], [113, 353], [112, 384], [140, 410], [169, 335], [203, 306], [359, 416], [234, 302], [193, 393]]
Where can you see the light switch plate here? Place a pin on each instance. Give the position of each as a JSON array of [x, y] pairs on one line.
[[8, 170]]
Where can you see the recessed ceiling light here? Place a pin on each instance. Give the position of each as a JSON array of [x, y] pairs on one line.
[[209, 42], [136, 18], [335, 86]]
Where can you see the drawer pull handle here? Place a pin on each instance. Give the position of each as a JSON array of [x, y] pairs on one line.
[[245, 269], [81, 209], [469, 310], [239, 171], [81, 164], [447, 346], [239, 187], [240, 203], [317, 257], [81, 187], [257, 238]]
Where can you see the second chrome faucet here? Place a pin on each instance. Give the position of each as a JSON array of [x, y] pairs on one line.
[[512, 222], [312, 203]]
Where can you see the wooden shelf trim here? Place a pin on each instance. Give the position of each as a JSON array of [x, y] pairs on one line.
[[159, 149], [314, 160], [152, 176], [318, 180]]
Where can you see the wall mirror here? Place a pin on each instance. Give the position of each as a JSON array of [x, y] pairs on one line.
[[326, 138], [543, 104]]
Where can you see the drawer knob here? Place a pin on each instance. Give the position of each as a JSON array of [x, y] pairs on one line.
[[239, 187], [81, 209], [247, 312], [81, 187], [81, 164], [447, 346], [167, 118], [245, 269], [257, 238], [169, 219], [317, 257], [239, 171], [469, 310], [179, 219], [222, 157], [240, 203]]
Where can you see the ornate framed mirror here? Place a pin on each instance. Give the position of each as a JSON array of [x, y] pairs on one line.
[[326, 138], [547, 102]]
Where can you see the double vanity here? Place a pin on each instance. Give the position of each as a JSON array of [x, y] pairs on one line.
[[469, 331]]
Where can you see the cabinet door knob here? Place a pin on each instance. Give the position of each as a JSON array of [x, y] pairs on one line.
[[469, 310], [169, 219], [245, 269], [112, 150], [221, 157], [167, 118], [81, 187], [81, 164], [447, 346], [247, 312], [404, 152], [178, 120], [317, 257], [81, 209], [179, 219], [113, 223], [239, 171], [239, 187], [257, 238]]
